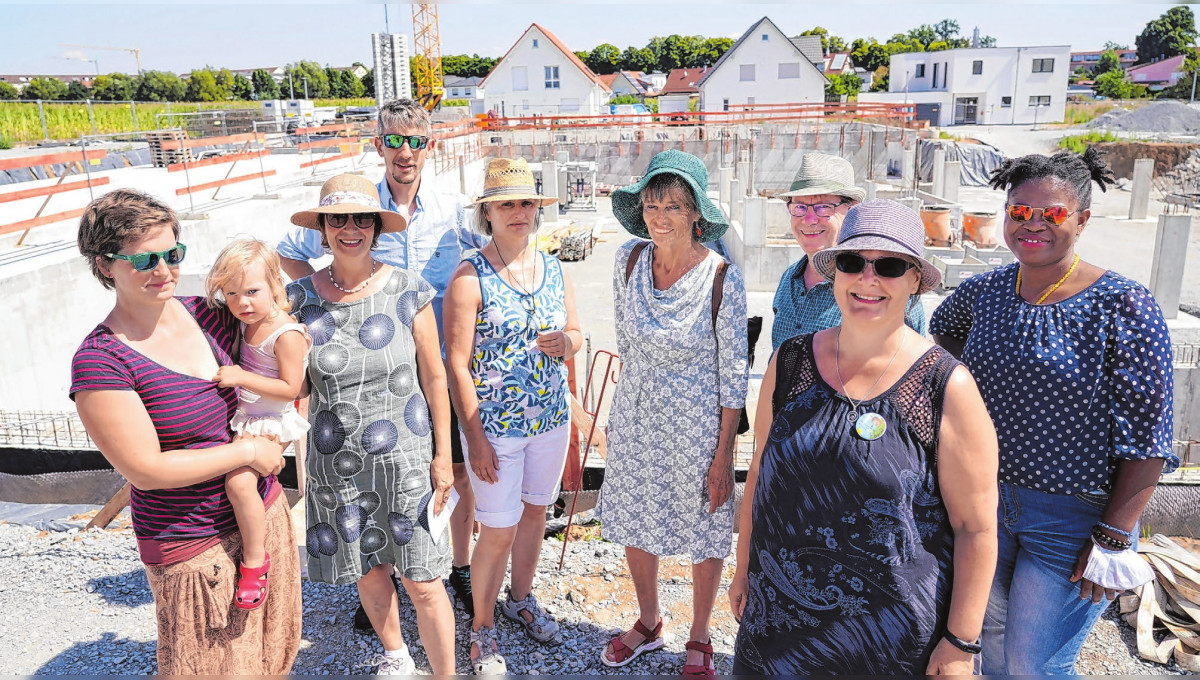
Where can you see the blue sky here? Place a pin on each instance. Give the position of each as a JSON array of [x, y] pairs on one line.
[[179, 37]]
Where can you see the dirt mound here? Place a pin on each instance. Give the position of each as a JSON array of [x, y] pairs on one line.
[[1167, 156], [1163, 117]]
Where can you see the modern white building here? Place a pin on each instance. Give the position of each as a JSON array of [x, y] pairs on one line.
[[458, 87], [540, 76], [764, 66], [986, 85]]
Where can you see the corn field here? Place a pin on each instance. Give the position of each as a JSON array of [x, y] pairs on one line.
[[20, 123]]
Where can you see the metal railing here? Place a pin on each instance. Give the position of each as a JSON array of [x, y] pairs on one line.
[[43, 429]]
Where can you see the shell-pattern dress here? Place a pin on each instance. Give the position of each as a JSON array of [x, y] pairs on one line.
[[371, 443]]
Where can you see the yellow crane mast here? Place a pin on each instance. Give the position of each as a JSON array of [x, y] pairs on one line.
[[427, 66]]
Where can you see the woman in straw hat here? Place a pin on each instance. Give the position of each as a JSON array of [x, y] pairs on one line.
[[510, 327], [870, 541], [681, 330], [380, 442]]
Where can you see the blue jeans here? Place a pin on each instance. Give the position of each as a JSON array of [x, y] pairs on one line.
[[1036, 623]]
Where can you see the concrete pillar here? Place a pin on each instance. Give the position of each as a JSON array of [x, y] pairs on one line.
[[908, 166], [1170, 251], [951, 178], [734, 188], [724, 175], [939, 171], [754, 223], [561, 157], [744, 178], [1139, 195], [462, 179], [550, 188], [870, 187]]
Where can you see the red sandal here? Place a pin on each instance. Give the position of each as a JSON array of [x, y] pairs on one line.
[[626, 654], [708, 668], [252, 585]]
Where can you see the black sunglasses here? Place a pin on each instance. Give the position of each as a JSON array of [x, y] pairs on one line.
[[885, 267], [144, 262], [415, 142], [361, 220]]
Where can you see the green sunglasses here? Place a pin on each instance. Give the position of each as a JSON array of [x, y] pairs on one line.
[[415, 142], [144, 262]]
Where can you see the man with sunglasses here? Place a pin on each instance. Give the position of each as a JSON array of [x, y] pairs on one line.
[[818, 200], [438, 234]]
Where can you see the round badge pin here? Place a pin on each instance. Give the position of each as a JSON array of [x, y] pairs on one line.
[[870, 426]]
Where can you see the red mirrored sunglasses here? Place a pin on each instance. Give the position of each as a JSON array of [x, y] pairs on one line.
[[1052, 214]]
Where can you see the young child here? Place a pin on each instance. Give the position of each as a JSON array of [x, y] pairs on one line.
[[274, 358]]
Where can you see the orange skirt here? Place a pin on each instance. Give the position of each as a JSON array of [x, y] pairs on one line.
[[202, 632]]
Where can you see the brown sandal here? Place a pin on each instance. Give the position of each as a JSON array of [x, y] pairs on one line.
[[626, 654], [708, 668]]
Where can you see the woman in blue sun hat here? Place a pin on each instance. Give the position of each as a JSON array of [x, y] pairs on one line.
[[680, 316]]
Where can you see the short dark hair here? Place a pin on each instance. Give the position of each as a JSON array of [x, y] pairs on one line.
[[374, 239], [1076, 170], [116, 219]]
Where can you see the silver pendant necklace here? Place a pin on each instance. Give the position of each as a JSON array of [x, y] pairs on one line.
[[356, 288], [869, 425], [524, 293]]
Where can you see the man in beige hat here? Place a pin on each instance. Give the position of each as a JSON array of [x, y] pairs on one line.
[[818, 200], [439, 232]]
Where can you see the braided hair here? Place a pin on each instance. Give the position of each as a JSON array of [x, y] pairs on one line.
[[1077, 170]]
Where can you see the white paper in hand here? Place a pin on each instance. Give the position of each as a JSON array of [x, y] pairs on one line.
[[438, 522]]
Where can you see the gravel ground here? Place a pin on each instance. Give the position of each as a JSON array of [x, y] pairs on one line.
[[82, 606]]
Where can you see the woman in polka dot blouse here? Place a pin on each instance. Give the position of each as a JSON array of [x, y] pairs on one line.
[[1074, 363]]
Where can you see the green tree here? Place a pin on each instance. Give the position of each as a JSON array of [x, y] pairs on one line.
[[880, 82], [113, 87], [937, 46], [1182, 89], [604, 58], [224, 80], [160, 86], [78, 92], [44, 88], [837, 44], [1109, 61], [987, 41], [481, 66], [923, 34], [350, 86], [368, 83], [264, 85], [243, 89], [8, 92], [637, 59], [318, 83], [842, 84], [582, 56], [202, 87], [711, 50], [1171, 34], [946, 29], [1114, 85], [824, 33]]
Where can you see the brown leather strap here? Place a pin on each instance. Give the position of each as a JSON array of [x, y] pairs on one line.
[[633, 258], [718, 287]]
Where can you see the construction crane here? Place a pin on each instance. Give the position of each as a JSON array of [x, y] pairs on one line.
[[428, 63], [137, 53]]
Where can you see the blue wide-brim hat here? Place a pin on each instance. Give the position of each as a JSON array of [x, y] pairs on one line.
[[627, 203], [882, 225]]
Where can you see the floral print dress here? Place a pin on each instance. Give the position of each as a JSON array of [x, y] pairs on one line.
[[676, 375]]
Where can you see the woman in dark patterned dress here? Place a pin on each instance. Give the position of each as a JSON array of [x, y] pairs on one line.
[[380, 416], [870, 542]]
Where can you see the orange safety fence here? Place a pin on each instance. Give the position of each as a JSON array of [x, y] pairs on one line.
[[77, 159], [250, 146], [784, 113], [217, 160], [173, 144]]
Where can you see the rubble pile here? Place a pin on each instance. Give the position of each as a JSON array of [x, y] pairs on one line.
[[1170, 117]]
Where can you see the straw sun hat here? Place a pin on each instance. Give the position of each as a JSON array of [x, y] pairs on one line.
[[627, 202], [882, 225], [347, 195], [509, 179], [821, 173]]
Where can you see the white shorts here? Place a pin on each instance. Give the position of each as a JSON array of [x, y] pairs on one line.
[[530, 471]]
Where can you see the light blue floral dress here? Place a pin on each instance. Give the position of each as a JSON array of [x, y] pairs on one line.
[[676, 374]]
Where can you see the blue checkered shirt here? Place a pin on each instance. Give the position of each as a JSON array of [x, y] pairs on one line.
[[799, 311]]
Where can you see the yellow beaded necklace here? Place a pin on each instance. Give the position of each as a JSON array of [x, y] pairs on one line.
[[1052, 288]]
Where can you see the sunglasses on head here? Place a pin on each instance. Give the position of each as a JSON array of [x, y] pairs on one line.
[[1053, 214], [144, 262], [361, 220], [415, 142], [885, 267], [821, 209]]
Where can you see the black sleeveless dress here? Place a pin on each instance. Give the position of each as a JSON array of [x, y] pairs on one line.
[[850, 563]]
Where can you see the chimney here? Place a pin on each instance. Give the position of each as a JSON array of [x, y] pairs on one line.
[[975, 37]]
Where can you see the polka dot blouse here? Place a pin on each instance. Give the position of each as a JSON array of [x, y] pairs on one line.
[[1073, 386]]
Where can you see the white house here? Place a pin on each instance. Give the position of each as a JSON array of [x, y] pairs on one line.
[[540, 76], [458, 87], [987, 86], [680, 90], [764, 66]]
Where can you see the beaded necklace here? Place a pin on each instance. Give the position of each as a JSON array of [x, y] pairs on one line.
[[356, 288]]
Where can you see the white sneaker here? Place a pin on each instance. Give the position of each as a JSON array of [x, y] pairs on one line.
[[393, 665]]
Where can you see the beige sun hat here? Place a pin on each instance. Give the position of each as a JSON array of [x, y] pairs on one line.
[[347, 195], [821, 173], [508, 179]]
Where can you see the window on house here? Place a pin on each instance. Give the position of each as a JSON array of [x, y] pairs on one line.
[[724, 104], [1005, 102], [750, 101], [764, 37], [747, 72], [935, 74], [977, 67], [525, 104], [920, 71], [535, 43], [1039, 100], [1043, 65], [552, 82], [788, 71], [520, 78]]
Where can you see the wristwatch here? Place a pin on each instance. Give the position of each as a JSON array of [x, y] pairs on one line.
[[968, 647]]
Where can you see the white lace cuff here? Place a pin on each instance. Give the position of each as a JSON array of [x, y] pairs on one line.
[[1117, 569]]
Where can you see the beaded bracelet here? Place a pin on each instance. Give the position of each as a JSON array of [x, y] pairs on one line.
[[1105, 541], [1126, 534]]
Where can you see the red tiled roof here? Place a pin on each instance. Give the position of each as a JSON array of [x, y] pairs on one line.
[[608, 78], [1157, 72], [683, 81], [563, 48]]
